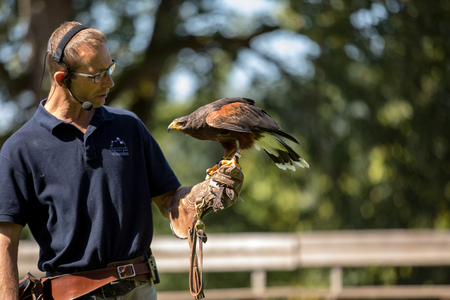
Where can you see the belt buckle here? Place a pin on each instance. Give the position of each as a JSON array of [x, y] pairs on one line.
[[122, 271]]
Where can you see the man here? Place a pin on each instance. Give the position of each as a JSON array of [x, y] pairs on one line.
[[83, 177]]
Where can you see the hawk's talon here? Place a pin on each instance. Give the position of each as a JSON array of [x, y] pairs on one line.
[[210, 171], [229, 163], [221, 164]]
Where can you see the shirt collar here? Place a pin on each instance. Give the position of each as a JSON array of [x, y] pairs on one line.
[[50, 122]]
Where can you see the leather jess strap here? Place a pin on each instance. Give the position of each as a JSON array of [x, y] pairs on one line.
[[74, 285], [196, 284]]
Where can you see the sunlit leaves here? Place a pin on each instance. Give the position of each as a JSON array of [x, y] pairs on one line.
[[395, 112]]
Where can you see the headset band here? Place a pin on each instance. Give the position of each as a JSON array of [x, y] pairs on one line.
[[65, 40]]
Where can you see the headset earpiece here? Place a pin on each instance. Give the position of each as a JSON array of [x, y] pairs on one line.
[[66, 81]]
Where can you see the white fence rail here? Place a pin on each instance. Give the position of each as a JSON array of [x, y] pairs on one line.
[[262, 252]]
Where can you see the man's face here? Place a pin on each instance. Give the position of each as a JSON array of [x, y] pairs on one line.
[[94, 61]]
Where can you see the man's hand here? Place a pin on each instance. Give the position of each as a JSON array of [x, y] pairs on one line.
[[219, 191]]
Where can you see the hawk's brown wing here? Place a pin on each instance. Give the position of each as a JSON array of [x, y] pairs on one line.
[[241, 117]]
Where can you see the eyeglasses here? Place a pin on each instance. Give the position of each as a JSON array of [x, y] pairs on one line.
[[99, 77]]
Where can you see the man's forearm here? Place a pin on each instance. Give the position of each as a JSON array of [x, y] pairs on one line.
[[189, 204], [162, 202], [9, 278], [9, 289]]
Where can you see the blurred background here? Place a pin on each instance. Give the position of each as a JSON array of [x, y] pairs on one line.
[[363, 85]]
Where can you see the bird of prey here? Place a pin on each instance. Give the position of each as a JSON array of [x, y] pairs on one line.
[[232, 120]]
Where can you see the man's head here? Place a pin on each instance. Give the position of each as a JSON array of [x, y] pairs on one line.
[[83, 68], [85, 40]]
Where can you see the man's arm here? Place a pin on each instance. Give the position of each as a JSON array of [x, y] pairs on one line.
[[228, 177], [9, 247], [218, 191], [163, 201]]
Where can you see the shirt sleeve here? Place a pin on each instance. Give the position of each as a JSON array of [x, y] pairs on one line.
[[14, 192]]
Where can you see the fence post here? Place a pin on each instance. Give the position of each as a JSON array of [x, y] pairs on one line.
[[258, 281], [335, 281]]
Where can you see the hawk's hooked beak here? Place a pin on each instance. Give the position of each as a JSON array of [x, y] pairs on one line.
[[174, 126]]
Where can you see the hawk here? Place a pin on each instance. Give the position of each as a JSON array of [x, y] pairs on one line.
[[233, 120]]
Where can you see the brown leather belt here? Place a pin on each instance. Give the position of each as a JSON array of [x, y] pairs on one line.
[[115, 289], [74, 285]]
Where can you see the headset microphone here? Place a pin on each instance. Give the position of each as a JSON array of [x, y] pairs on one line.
[[86, 105]]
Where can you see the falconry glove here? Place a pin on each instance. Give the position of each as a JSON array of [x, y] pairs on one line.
[[220, 190]]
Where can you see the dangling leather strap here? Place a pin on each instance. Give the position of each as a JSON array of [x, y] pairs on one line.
[[196, 269]]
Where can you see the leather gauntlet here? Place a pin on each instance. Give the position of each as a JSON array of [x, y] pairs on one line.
[[219, 191]]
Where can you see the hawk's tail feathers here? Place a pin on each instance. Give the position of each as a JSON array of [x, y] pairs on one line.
[[281, 153], [286, 135]]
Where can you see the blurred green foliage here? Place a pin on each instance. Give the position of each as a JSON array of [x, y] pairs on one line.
[[364, 86]]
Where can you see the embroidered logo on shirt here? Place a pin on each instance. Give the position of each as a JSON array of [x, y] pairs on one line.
[[118, 147]]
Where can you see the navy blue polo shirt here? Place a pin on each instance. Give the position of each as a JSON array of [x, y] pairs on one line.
[[86, 197]]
